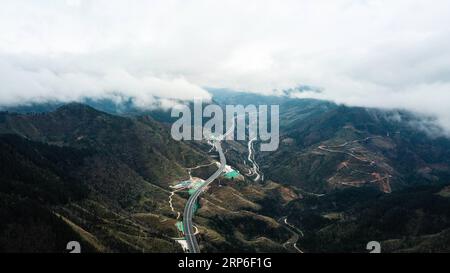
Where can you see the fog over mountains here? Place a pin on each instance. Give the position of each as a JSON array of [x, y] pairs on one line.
[[361, 53], [89, 154]]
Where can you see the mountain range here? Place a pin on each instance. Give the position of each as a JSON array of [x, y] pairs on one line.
[[342, 176]]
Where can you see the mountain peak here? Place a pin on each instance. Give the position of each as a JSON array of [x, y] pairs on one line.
[[77, 108]]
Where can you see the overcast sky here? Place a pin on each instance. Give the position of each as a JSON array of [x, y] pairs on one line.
[[393, 53]]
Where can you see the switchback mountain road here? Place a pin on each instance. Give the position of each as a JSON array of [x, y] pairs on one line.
[[189, 208]]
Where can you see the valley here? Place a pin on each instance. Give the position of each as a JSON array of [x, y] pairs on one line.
[[119, 183]]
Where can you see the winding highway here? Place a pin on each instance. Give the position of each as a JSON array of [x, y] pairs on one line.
[[295, 232], [251, 157], [189, 208]]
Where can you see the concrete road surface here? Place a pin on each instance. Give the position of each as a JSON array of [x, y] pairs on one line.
[[189, 208]]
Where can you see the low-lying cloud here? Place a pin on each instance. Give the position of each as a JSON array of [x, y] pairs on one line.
[[377, 53], [37, 80]]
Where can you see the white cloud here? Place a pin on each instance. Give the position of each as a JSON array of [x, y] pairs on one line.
[[380, 53], [33, 79]]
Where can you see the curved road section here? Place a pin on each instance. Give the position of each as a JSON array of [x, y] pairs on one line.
[[189, 208]]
